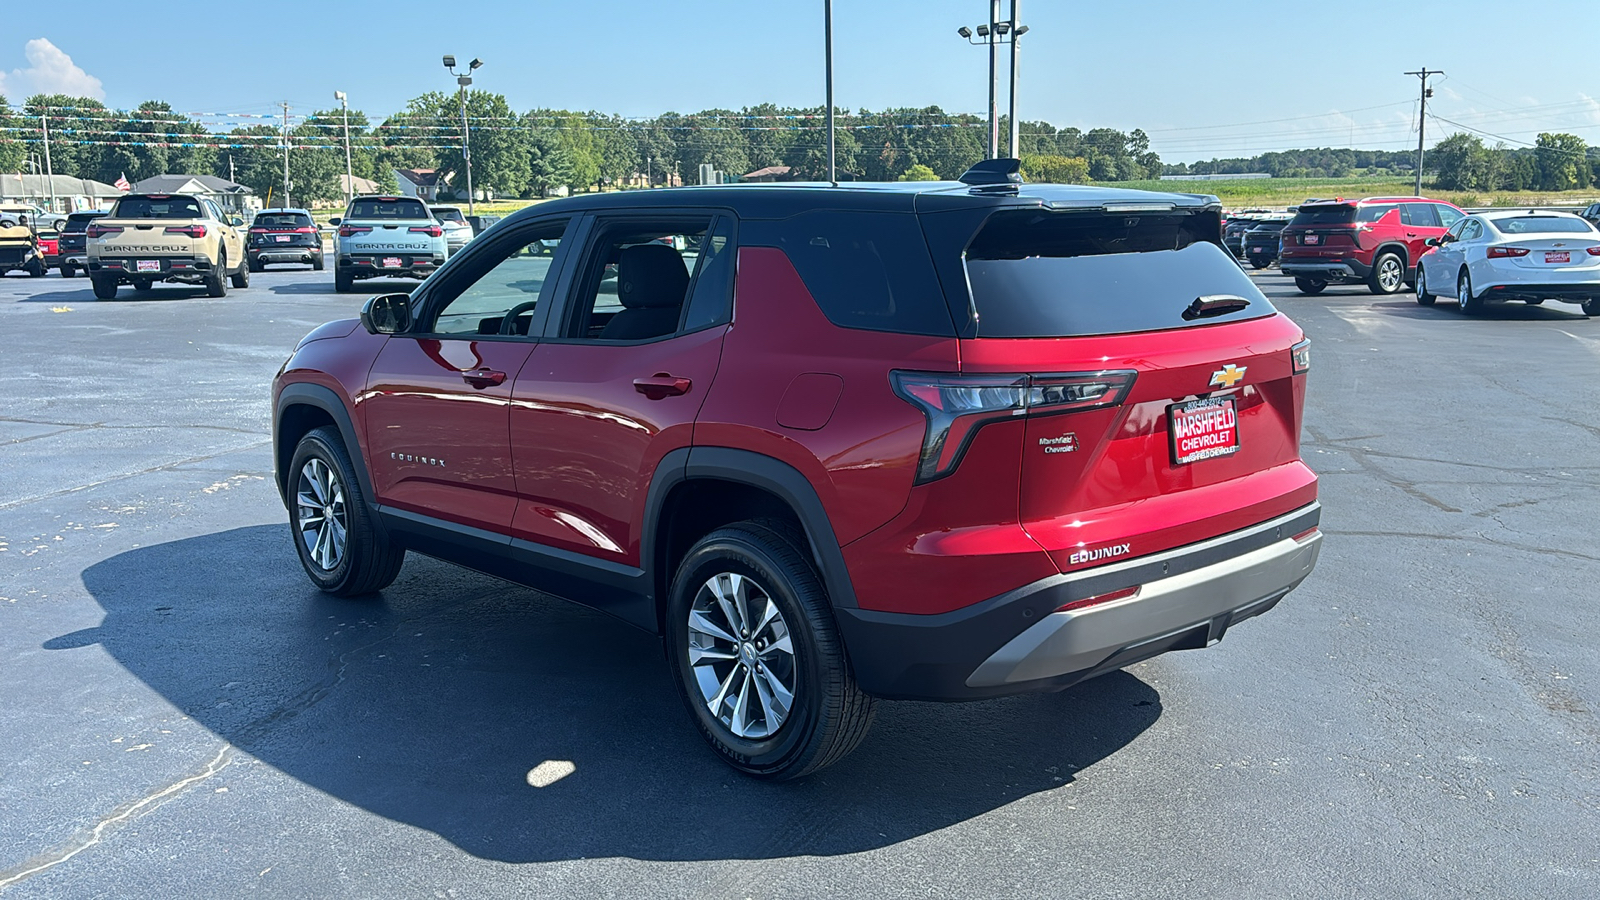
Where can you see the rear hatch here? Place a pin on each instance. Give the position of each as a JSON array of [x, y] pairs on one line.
[[1329, 228], [1163, 396], [153, 225], [1546, 244], [271, 229], [391, 227]]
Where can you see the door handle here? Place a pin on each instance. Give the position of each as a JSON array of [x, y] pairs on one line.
[[662, 385], [484, 377], [1411, 234]]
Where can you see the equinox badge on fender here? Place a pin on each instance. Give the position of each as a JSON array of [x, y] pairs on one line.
[[1228, 376]]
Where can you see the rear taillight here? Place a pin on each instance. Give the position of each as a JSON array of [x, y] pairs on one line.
[[306, 229], [429, 230], [258, 231], [956, 406], [1507, 252], [1300, 356], [1593, 251], [194, 231], [353, 230], [96, 231]]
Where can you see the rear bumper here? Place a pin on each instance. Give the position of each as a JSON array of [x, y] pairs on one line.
[[300, 253], [171, 266], [1346, 269], [1017, 643], [372, 265]]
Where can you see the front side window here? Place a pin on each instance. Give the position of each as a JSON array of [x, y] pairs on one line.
[[1419, 215], [502, 292], [1448, 215]]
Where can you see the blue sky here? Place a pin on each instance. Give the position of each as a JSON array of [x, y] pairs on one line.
[[1277, 75]]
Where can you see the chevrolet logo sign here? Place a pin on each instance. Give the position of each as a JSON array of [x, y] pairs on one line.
[[1228, 376]]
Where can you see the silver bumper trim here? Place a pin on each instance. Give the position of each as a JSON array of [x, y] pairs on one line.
[[1080, 640]]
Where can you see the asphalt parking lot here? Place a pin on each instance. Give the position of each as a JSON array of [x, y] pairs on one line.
[[184, 715]]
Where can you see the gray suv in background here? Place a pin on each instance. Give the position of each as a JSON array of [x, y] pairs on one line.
[[457, 231]]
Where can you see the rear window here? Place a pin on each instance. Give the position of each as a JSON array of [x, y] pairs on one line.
[[866, 270], [282, 220], [448, 215], [159, 208], [388, 209], [1340, 215], [1036, 274], [1542, 225], [77, 223]]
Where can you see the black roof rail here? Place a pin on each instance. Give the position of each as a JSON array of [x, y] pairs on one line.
[[1003, 173]]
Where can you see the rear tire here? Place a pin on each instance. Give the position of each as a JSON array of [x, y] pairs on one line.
[[1464, 300], [143, 285], [1388, 274], [1423, 297], [67, 271], [1258, 264], [339, 545], [257, 265], [104, 288], [342, 282], [1591, 307], [1309, 286], [731, 676], [37, 268], [217, 278], [316, 263]]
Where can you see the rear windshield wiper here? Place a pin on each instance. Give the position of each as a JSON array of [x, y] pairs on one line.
[[1214, 305]]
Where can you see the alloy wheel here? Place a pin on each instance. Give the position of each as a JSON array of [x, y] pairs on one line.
[[1390, 274], [1463, 292], [320, 514], [741, 655], [1422, 286]]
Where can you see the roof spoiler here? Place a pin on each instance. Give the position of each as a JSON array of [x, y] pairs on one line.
[[994, 174]]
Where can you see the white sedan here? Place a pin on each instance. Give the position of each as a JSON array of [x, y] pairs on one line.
[[1526, 254]]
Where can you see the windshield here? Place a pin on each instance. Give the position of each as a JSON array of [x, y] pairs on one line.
[[282, 220], [1070, 274], [1543, 225], [448, 214], [159, 208], [388, 209]]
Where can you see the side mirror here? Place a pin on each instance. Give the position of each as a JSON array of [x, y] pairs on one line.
[[1434, 241], [236, 222], [335, 220], [387, 314]]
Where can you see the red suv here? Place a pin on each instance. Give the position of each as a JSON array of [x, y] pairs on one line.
[[834, 444], [1377, 240]]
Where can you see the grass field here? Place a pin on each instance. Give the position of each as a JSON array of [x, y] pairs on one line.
[[1281, 192]]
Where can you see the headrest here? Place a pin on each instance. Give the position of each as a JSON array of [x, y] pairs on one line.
[[22, 233], [651, 276]]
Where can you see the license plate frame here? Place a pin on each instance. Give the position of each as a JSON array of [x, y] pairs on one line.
[[147, 265], [1204, 435], [1552, 257], [391, 262], [283, 238]]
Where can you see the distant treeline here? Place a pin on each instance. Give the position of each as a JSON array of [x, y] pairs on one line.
[[1324, 162]]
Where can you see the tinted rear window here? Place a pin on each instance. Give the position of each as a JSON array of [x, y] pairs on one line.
[[388, 209], [866, 270], [1543, 225], [77, 223], [1036, 274], [158, 208], [448, 215], [282, 220]]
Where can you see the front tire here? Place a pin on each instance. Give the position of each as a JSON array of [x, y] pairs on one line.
[[1464, 300], [316, 263], [37, 268], [1388, 274], [257, 265], [756, 656], [241, 278], [1309, 286], [1423, 297], [339, 545], [104, 288], [68, 271]]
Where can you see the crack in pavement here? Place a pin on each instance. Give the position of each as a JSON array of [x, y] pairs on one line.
[[9, 504], [1466, 538], [112, 427], [1361, 458], [55, 857]]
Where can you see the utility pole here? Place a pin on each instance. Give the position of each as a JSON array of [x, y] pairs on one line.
[[349, 175], [49, 173], [827, 40], [230, 168], [286, 154], [994, 82], [1016, 130], [1422, 118]]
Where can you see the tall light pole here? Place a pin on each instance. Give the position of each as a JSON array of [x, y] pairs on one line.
[[464, 79], [286, 182], [992, 35], [1422, 118], [827, 28], [349, 177]]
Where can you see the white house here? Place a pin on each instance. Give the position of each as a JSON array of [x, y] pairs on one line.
[[69, 194]]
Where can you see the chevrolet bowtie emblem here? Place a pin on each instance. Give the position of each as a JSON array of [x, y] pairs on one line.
[[1228, 376]]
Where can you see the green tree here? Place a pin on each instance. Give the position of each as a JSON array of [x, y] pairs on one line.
[[1055, 169], [919, 172], [12, 150], [1563, 162], [1462, 163]]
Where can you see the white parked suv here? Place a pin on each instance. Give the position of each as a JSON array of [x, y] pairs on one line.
[[386, 237], [457, 231], [1530, 255]]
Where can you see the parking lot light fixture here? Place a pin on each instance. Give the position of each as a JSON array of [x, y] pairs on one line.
[[463, 79], [991, 34]]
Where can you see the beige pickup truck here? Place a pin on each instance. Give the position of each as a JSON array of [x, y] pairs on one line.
[[166, 237]]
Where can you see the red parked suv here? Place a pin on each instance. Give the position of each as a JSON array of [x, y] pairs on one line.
[[835, 444], [1377, 241]]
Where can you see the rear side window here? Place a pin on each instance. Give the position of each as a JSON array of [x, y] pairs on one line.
[[159, 208], [388, 209], [867, 270], [1419, 214], [1036, 274]]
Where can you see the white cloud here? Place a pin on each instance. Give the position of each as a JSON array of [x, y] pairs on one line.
[[50, 71]]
